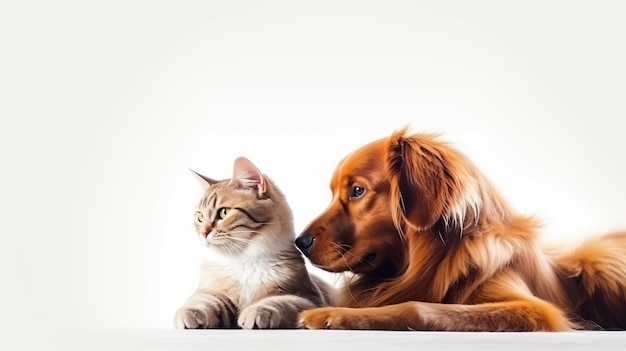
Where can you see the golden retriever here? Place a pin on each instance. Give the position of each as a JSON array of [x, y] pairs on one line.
[[431, 245]]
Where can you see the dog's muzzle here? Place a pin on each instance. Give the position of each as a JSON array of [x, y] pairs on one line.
[[304, 242]]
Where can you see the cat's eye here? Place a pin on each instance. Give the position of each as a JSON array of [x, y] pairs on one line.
[[357, 192], [222, 213], [198, 217]]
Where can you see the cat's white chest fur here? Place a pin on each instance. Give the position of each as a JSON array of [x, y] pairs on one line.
[[245, 278]]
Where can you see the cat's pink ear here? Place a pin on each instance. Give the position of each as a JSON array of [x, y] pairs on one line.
[[204, 180], [246, 175]]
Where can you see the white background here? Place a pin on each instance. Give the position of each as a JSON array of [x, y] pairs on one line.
[[104, 106]]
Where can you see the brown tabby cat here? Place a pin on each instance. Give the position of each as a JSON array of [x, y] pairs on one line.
[[252, 276]]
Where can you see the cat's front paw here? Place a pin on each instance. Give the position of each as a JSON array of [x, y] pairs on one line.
[[205, 311], [196, 318], [260, 316]]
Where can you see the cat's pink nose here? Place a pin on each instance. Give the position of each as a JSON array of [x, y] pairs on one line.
[[204, 230]]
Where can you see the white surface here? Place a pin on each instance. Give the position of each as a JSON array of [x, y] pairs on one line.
[[104, 106], [315, 340]]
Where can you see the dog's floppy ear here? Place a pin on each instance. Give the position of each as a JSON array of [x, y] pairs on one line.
[[420, 180]]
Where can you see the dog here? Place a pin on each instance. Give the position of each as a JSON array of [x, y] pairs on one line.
[[429, 244]]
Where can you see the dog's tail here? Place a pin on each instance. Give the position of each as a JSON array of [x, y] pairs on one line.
[[595, 279]]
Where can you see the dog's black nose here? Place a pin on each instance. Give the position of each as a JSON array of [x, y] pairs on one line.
[[304, 242]]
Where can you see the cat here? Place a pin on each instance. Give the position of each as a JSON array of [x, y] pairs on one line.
[[253, 276]]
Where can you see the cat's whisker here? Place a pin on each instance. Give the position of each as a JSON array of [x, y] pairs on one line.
[[251, 231], [267, 234], [247, 241], [232, 249], [252, 242]]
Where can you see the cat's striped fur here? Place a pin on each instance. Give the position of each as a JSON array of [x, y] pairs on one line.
[[253, 276]]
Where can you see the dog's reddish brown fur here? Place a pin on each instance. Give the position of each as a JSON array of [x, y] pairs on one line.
[[433, 246]]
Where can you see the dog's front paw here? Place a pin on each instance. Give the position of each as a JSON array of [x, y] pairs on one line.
[[332, 318], [260, 316]]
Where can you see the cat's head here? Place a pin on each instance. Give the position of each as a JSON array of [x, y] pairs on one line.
[[244, 214]]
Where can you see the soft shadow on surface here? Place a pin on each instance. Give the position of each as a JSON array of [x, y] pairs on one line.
[[303, 340]]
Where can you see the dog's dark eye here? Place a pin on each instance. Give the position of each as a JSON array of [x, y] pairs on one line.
[[357, 192]]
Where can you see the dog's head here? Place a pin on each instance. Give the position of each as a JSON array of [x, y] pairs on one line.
[[404, 183]]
